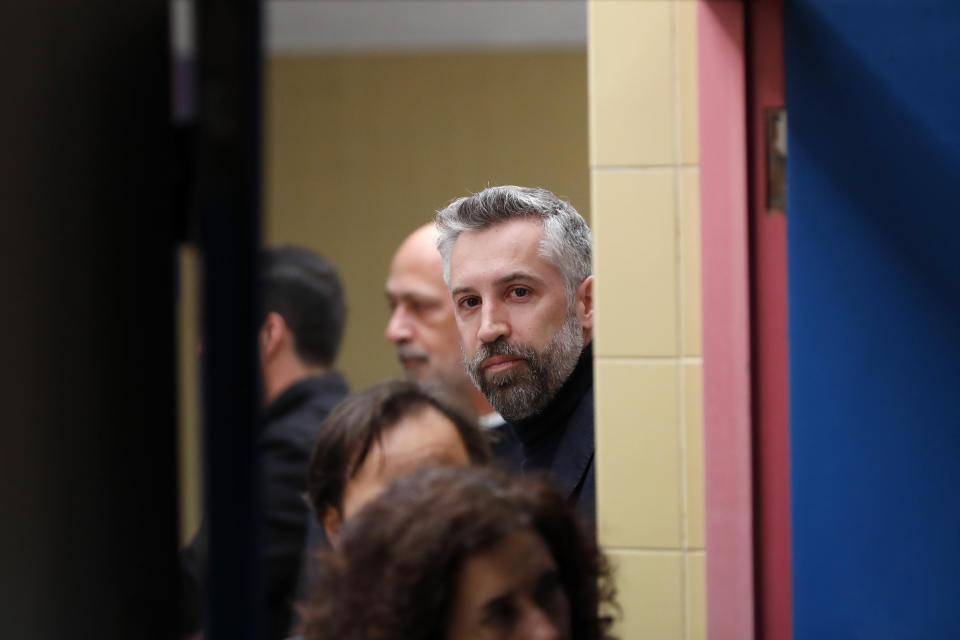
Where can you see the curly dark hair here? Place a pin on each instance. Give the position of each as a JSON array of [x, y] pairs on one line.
[[395, 575]]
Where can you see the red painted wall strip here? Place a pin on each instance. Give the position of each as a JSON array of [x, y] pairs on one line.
[[770, 347], [726, 314]]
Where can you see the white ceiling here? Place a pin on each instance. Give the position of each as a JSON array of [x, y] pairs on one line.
[[329, 26]]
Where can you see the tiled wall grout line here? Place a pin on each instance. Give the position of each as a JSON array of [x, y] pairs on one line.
[[591, 125], [644, 551], [651, 359], [678, 297], [636, 167]]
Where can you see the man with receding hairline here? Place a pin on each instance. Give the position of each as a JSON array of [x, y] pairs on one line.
[[517, 262]]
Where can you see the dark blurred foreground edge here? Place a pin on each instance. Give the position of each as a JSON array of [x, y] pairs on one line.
[[87, 233], [228, 201]]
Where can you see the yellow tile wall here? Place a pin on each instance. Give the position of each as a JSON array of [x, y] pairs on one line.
[[642, 79], [390, 138]]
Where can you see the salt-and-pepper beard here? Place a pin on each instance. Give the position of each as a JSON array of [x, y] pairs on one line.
[[525, 390]]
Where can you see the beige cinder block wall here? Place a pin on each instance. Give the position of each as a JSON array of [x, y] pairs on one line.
[[644, 183], [361, 149]]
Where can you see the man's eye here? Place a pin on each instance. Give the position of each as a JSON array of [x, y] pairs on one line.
[[520, 292], [472, 301]]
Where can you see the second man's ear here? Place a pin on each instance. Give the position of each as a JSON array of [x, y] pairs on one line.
[[584, 306]]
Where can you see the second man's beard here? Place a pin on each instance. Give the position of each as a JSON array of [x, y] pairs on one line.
[[446, 378], [525, 390]]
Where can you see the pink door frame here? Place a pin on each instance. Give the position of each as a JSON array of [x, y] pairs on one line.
[[744, 318], [726, 321], [771, 432]]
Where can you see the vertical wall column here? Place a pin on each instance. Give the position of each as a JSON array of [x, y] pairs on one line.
[[645, 201]]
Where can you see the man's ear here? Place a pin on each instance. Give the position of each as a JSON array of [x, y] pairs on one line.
[[584, 307], [331, 524], [273, 333]]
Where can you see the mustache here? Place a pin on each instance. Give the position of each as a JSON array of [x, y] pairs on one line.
[[405, 352], [501, 347]]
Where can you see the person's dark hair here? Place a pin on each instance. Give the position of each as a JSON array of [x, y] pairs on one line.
[[307, 293], [395, 575], [357, 423]]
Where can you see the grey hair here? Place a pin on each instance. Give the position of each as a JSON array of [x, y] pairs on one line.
[[567, 241]]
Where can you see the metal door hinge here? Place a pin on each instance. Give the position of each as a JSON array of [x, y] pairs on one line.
[[776, 132]]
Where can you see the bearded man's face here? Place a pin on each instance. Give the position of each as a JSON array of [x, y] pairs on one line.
[[526, 387], [520, 332]]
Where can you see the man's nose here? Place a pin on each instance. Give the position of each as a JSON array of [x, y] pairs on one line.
[[399, 328], [493, 324]]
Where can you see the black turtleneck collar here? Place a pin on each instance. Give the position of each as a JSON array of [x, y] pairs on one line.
[[294, 396], [541, 428]]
